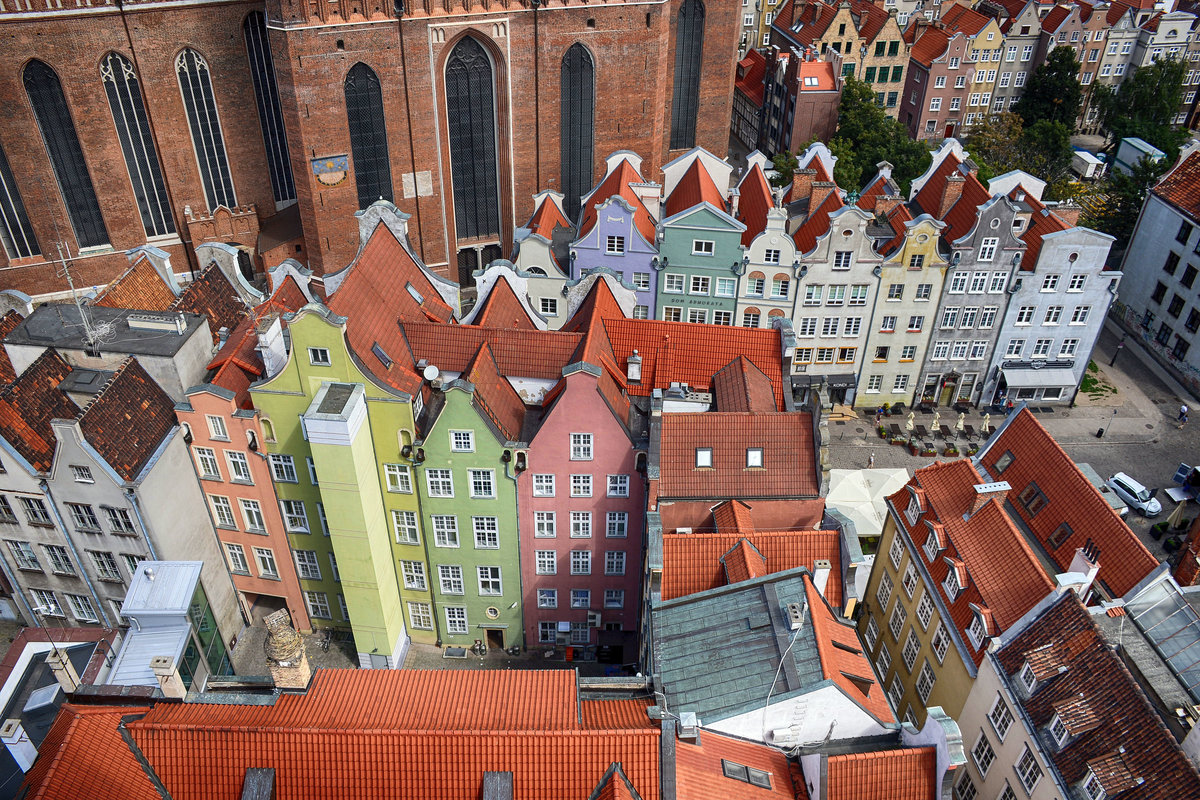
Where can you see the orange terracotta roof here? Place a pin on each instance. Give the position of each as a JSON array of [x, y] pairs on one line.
[[960, 219], [84, 755], [518, 352], [618, 182], [929, 199], [733, 516], [813, 18], [1057, 16], [696, 186], [613, 715], [751, 71], [615, 786], [1181, 186], [822, 72], [494, 395], [211, 295], [128, 420], [785, 439], [503, 309], [687, 352], [1152, 23], [1115, 11], [878, 186], [1042, 223], [8, 323], [699, 774], [140, 287], [932, 44], [964, 19], [702, 516], [897, 218], [870, 19], [754, 201], [743, 562], [692, 561], [1073, 501], [546, 217], [908, 773], [843, 660], [741, 386], [29, 403], [817, 224]]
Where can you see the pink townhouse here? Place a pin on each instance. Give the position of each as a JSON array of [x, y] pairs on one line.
[[582, 506]]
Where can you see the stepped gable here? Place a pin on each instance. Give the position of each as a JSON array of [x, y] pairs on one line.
[[29, 403], [140, 287], [127, 421]]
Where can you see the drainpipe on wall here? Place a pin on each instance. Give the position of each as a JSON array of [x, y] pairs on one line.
[[137, 512], [45, 487]]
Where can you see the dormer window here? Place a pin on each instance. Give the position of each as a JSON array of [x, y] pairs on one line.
[[932, 546], [952, 585], [977, 632], [754, 457], [1058, 730], [704, 458], [913, 512], [1092, 789], [1028, 679]]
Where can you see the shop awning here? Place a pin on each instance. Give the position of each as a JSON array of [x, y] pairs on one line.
[[1028, 378]]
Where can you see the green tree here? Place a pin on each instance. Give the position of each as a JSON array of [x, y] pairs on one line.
[[1053, 93], [866, 135], [1144, 105], [785, 167], [1124, 195], [1002, 143]]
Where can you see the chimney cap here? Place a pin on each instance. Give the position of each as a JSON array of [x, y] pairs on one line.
[[989, 488]]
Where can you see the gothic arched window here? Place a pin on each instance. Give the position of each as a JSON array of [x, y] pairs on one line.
[[270, 117], [137, 145], [685, 102], [205, 126], [471, 113], [16, 234], [66, 156], [578, 122], [368, 135]]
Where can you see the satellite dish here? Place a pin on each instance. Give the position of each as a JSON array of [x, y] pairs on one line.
[[431, 372]]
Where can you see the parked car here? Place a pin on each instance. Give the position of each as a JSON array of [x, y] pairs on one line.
[[1136, 496]]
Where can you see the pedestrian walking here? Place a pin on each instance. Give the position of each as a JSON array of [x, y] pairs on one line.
[[871, 462], [1183, 412]]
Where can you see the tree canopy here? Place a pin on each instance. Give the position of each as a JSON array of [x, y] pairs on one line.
[[1117, 213], [866, 135], [785, 167], [1003, 143], [1053, 92], [1144, 106]]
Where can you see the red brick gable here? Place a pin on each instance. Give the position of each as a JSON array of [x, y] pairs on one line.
[[8, 323], [128, 420], [29, 403]]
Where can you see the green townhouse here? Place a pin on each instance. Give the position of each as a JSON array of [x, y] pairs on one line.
[[339, 423], [700, 254], [468, 491]]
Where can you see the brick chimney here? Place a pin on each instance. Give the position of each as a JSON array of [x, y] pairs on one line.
[[885, 203], [286, 659], [950, 193], [64, 670], [820, 191], [987, 491], [802, 181]]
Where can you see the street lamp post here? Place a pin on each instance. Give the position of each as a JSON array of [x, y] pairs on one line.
[[1117, 352], [1100, 433]]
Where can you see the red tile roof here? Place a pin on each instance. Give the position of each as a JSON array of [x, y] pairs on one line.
[[1073, 501], [743, 562], [617, 182], [1042, 223], [211, 295], [870, 19], [741, 386], [764, 515], [1057, 16], [696, 186], [687, 352], [494, 395], [817, 224], [843, 660], [503, 309], [128, 420], [814, 18], [546, 217], [932, 44], [754, 201], [822, 72], [29, 403], [613, 715], [929, 199], [8, 323], [751, 71], [1130, 741], [84, 755], [897, 217], [699, 774], [140, 287], [518, 352], [964, 20], [786, 441], [692, 561], [1181, 186], [909, 773], [1005, 575], [733, 516]]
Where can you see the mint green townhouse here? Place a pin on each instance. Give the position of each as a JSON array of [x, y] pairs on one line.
[[468, 492], [700, 252]]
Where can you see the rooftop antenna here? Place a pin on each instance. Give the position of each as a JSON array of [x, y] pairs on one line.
[[93, 334]]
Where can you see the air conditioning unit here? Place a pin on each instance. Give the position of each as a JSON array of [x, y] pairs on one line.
[[593, 619]]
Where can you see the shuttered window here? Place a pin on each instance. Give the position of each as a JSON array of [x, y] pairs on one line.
[[471, 112], [66, 156], [16, 234], [270, 117], [195, 83], [137, 145], [578, 122], [685, 102], [368, 135]]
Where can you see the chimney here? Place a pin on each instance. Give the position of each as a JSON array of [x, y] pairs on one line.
[[950, 193], [271, 347], [1085, 565], [498, 786], [886, 203], [820, 191], [1068, 213], [259, 784], [821, 569], [802, 182], [168, 676], [64, 671], [986, 491], [633, 368], [286, 659], [20, 746], [885, 169]]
